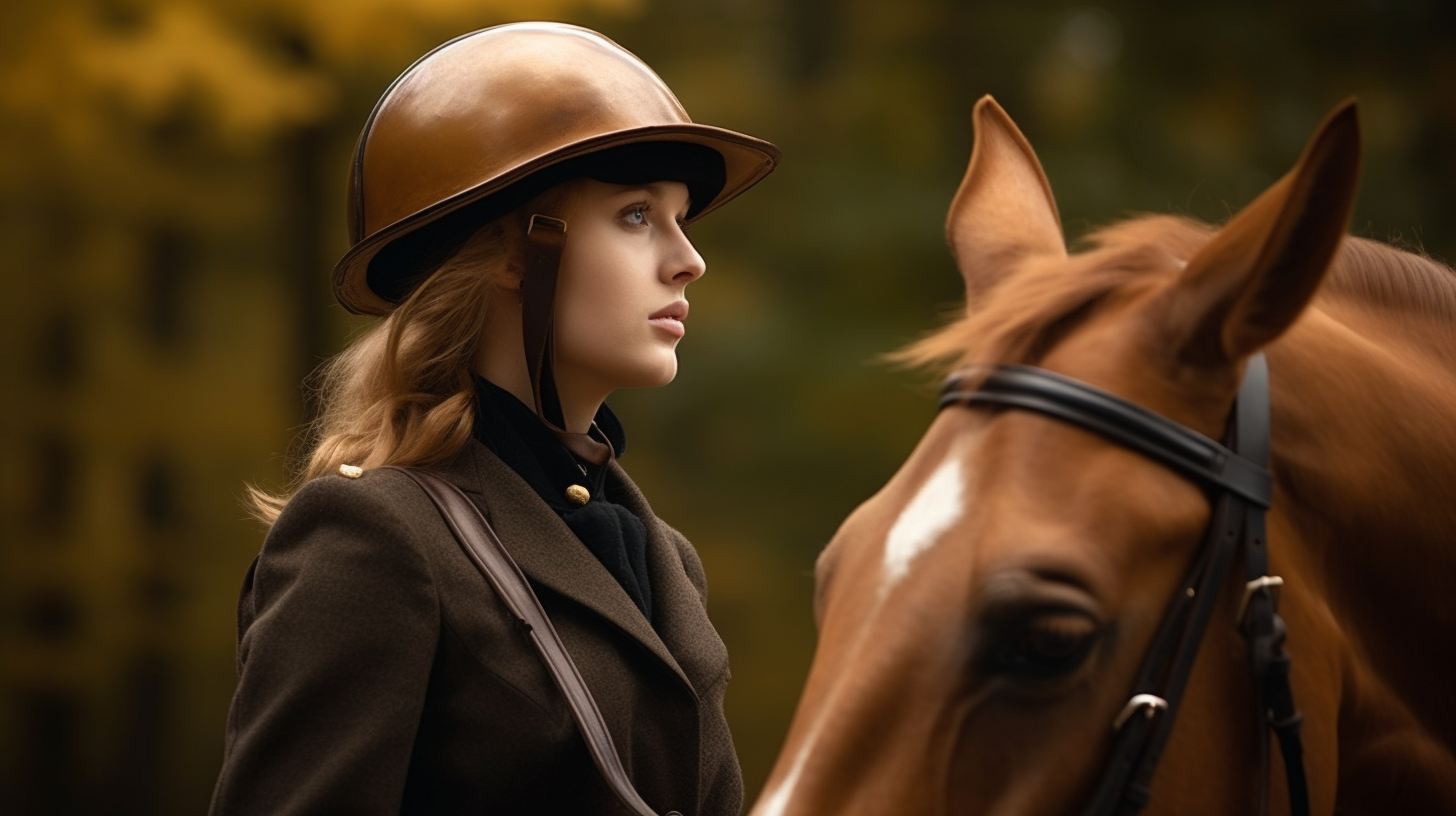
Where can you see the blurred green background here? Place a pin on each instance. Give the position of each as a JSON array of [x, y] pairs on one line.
[[171, 179]]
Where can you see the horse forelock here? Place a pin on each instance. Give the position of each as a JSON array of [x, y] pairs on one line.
[[1023, 316]]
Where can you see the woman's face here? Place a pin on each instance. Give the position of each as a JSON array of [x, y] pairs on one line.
[[620, 302]]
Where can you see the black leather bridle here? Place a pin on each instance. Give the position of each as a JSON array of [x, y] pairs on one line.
[[1237, 477]]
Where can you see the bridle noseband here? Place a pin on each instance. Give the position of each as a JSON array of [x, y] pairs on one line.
[[1237, 476]]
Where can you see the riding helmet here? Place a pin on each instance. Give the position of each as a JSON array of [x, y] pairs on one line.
[[482, 123]]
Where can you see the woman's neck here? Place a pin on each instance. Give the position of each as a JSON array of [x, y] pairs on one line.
[[502, 360], [508, 371]]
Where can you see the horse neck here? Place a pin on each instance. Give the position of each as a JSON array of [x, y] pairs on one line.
[[1365, 422], [1365, 397], [1364, 457]]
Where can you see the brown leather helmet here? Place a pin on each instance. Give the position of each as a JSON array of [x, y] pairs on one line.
[[481, 123]]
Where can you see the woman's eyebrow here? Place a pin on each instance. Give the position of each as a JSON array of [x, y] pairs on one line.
[[656, 191]]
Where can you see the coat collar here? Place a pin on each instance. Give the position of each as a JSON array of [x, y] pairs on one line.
[[550, 555]]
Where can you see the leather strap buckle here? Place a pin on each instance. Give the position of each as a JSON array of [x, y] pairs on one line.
[[1272, 583], [546, 222], [1150, 705]]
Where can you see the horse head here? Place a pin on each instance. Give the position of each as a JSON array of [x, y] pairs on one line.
[[981, 618]]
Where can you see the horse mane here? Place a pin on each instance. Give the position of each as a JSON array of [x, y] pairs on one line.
[[1020, 319], [1381, 275]]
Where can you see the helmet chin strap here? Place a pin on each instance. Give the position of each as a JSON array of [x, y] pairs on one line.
[[545, 240]]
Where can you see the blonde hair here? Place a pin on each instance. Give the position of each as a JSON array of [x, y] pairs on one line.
[[403, 392]]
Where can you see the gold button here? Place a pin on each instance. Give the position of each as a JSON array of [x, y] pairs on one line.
[[351, 471], [578, 495]]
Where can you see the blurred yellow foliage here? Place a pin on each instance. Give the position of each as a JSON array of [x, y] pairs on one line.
[[185, 54], [372, 29], [249, 69]]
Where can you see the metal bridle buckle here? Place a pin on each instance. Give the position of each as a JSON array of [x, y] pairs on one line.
[[546, 222], [1270, 582], [1150, 704]]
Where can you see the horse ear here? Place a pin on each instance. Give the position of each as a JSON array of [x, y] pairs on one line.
[[1004, 208], [1258, 273]]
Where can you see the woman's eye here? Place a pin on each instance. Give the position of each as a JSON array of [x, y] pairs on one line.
[[1046, 646], [636, 215]]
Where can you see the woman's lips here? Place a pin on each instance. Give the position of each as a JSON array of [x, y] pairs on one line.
[[671, 318]]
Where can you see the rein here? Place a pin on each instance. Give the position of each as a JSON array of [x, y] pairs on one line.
[[1237, 474]]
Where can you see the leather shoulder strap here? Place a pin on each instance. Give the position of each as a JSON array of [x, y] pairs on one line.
[[484, 548]]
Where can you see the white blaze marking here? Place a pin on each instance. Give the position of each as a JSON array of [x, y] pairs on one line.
[[775, 803], [934, 510]]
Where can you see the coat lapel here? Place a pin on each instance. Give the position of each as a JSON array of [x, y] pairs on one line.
[[548, 552], [681, 620]]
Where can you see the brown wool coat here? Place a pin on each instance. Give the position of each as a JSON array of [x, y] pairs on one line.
[[380, 674]]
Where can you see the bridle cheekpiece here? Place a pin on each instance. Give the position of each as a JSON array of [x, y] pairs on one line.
[[1237, 477]]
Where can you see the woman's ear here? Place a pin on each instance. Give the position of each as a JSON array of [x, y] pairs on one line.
[[510, 278]]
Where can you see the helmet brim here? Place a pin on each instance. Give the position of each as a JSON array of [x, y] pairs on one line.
[[746, 161]]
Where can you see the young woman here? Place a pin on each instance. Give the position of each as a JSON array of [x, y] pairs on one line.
[[517, 202]]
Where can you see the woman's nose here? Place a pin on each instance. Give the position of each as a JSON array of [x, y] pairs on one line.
[[687, 263]]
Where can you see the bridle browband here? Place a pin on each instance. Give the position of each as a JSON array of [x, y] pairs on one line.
[[1237, 476]]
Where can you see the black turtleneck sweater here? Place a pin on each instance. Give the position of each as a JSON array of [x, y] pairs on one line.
[[610, 531]]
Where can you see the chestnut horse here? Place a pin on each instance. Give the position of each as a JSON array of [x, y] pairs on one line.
[[982, 617]]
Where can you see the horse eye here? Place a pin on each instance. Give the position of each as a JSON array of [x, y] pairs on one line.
[[1045, 646]]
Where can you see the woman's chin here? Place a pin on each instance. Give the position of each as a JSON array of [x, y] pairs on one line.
[[640, 377], [662, 377]]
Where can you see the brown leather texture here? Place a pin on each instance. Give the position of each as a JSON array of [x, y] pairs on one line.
[[495, 106], [545, 242]]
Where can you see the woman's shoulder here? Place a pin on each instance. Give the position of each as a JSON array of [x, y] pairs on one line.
[[350, 483], [377, 494], [341, 541], [374, 513]]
